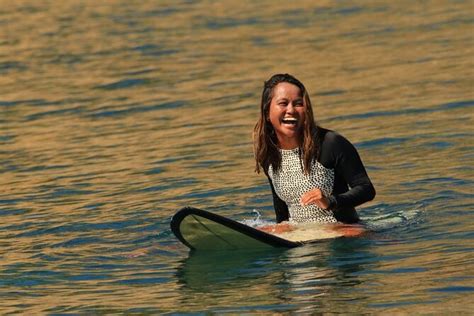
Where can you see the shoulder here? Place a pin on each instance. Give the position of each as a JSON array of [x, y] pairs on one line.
[[334, 148], [332, 139]]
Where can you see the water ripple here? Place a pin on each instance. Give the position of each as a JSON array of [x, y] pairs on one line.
[[113, 116]]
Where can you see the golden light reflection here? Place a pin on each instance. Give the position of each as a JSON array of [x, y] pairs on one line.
[[114, 108]]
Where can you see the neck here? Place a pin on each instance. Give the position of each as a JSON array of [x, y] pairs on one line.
[[291, 143]]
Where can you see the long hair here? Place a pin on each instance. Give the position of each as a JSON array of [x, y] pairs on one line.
[[265, 141]]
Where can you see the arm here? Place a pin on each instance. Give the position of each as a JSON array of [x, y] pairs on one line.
[[350, 167], [353, 185], [281, 209]]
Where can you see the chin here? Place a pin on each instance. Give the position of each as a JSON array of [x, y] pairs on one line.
[[293, 133]]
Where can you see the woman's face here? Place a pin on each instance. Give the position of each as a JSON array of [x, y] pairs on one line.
[[287, 114]]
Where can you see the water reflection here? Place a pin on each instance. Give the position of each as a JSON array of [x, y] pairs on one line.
[[313, 274], [203, 270], [318, 276], [115, 114], [225, 278]]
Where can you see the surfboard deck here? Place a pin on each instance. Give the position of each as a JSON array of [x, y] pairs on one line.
[[203, 230]]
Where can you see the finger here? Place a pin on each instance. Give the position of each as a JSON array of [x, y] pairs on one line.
[[314, 197], [307, 195], [306, 199], [311, 196], [310, 200]]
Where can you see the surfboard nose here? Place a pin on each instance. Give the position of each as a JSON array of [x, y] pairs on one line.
[[203, 230]]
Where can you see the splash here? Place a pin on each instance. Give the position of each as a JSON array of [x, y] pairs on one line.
[[257, 221], [391, 220], [382, 220]]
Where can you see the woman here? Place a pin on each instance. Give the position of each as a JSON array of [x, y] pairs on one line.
[[315, 174]]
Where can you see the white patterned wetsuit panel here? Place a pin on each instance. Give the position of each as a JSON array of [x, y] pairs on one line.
[[291, 183]]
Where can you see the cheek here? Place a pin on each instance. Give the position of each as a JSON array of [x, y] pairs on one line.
[[273, 115], [302, 114]]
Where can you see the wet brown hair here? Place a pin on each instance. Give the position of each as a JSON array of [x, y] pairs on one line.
[[265, 141]]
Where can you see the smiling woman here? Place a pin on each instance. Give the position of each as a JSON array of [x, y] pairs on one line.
[[316, 175], [287, 114]]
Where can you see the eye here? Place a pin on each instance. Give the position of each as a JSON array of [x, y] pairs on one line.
[[299, 103]]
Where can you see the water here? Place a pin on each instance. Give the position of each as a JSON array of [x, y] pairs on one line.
[[115, 114]]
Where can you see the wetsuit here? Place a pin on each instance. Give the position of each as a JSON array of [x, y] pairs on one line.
[[339, 173]]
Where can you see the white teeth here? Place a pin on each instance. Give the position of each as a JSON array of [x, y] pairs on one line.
[[290, 120]]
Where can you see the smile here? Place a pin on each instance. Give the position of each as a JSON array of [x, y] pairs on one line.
[[290, 120]]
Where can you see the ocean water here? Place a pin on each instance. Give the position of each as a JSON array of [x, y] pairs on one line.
[[115, 114]]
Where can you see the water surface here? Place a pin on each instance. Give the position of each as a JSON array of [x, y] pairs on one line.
[[115, 114]]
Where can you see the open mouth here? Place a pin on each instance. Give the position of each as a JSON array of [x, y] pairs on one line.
[[290, 120]]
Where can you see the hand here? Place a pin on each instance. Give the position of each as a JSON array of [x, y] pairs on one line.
[[316, 197]]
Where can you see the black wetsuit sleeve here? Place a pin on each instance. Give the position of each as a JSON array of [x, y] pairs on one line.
[[281, 209], [352, 185]]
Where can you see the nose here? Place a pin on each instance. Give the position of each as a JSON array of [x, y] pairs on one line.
[[290, 108]]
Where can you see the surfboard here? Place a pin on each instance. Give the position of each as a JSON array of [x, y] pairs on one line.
[[203, 230]]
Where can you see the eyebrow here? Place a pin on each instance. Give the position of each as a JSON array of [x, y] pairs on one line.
[[286, 99]]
